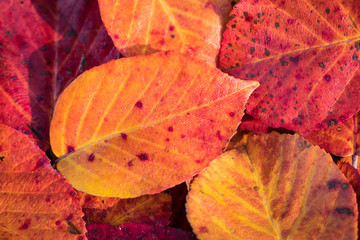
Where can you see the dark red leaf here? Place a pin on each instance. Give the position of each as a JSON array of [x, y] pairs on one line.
[[44, 45], [131, 231]]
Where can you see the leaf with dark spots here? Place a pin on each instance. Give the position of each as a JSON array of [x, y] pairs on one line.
[[131, 231], [272, 186], [303, 46], [145, 27], [353, 176], [33, 194], [195, 103], [340, 139], [44, 46]]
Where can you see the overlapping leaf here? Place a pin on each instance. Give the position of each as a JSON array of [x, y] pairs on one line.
[[148, 209], [36, 202], [132, 231], [273, 186], [140, 125], [142, 27], [94, 202], [339, 139], [305, 54], [353, 176], [44, 45]]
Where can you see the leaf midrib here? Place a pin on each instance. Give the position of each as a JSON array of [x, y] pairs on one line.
[[297, 51]]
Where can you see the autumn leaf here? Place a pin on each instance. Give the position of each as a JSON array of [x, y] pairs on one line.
[[88, 201], [143, 27], [353, 176], [273, 186], [305, 54], [339, 139], [44, 45], [141, 125], [36, 202], [147, 209], [132, 231]]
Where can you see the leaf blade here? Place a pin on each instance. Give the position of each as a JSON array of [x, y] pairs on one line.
[[143, 27], [307, 66], [36, 201], [272, 186], [148, 124]]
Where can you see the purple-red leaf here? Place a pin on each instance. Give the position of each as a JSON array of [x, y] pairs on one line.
[[305, 54], [44, 45], [131, 231]]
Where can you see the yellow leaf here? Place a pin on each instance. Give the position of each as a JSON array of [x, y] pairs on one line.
[[273, 187]]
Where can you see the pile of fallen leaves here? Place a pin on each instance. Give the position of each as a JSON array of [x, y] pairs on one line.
[[165, 119]]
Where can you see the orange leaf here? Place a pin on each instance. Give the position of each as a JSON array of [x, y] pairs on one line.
[[304, 53], [88, 201], [36, 201], [339, 139], [142, 27], [273, 186], [147, 209], [140, 125], [353, 176]]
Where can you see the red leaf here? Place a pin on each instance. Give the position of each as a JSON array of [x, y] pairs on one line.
[[36, 202], [305, 56], [44, 46], [131, 231]]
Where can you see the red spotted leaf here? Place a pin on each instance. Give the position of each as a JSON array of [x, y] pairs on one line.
[[305, 54], [36, 202], [140, 125], [131, 231], [44, 45], [339, 139]]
